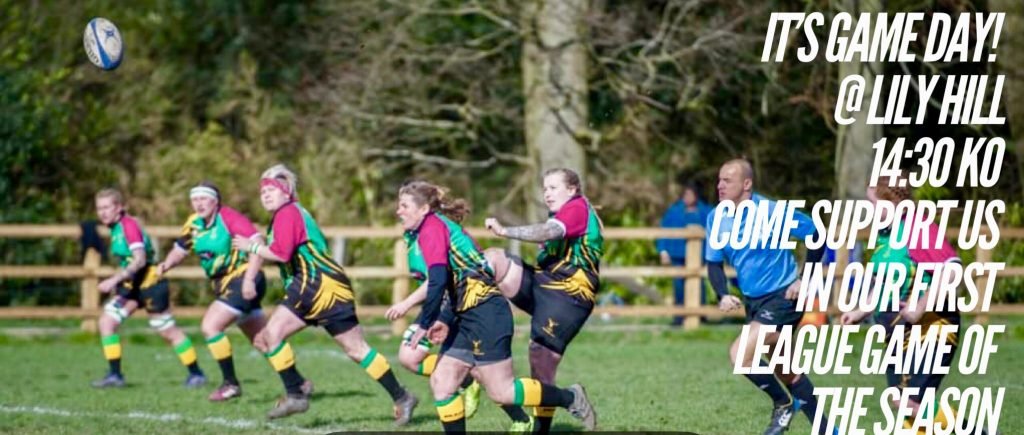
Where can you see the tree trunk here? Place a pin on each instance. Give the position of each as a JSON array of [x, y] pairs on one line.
[[854, 155], [555, 87], [1010, 57]]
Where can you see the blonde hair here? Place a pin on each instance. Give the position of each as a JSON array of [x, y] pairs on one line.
[[111, 193], [282, 173]]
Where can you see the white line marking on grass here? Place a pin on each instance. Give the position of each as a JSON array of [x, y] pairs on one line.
[[139, 415]]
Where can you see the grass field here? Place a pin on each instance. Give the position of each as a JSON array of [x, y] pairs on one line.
[[640, 377]]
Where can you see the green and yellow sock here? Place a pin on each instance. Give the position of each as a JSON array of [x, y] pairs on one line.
[[112, 352], [378, 368], [220, 348], [187, 355], [282, 359], [426, 367], [452, 412], [531, 392]]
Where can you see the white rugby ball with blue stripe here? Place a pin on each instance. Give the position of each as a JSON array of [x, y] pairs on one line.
[[103, 43]]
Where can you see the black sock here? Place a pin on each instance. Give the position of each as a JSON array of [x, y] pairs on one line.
[[803, 390], [194, 368], [515, 413], [551, 395], [466, 382], [390, 383], [115, 366], [542, 425], [772, 387], [457, 426], [227, 368], [292, 380]]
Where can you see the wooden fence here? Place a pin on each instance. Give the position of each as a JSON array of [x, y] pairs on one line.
[[91, 271]]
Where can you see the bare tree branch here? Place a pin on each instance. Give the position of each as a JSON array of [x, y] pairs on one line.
[[421, 157]]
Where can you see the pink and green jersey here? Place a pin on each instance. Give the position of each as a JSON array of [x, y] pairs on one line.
[[126, 235], [442, 241], [574, 262], [211, 241], [296, 237]]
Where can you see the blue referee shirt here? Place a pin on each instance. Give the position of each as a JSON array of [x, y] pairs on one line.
[[760, 271]]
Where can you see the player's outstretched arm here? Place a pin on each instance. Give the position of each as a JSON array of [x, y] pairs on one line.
[[256, 248], [437, 282], [251, 272], [716, 274], [174, 258], [538, 233], [401, 308]]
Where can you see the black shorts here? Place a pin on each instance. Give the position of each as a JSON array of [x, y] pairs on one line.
[[230, 293], [481, 335], [318, 303], [889, 320], [556, 316], [921, 381], [155, 298], [772, 309]]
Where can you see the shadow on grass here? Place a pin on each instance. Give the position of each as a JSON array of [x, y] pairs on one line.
[[565, 427], [318, 394]]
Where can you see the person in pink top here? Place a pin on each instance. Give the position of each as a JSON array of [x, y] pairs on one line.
[[235, 275], [317, 293], [136, 284], [559, 292]]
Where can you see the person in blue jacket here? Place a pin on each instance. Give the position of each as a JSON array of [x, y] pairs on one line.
[[688, 209]]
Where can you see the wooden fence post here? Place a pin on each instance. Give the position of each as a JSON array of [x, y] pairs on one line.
[[691, 298], [982, 256], [400, 290], [90, 289], [338, 250]]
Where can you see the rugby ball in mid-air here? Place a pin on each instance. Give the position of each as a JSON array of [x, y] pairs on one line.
[[103, 43]]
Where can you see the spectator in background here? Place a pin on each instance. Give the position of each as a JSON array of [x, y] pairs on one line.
[[688, 209]]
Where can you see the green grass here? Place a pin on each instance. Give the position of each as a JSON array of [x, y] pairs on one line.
[[647, 379]]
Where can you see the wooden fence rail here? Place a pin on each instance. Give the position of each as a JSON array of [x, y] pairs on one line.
[[91, 271]]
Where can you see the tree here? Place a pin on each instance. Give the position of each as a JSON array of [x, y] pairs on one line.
[[854, 153], [554, 68], [1011, 57]]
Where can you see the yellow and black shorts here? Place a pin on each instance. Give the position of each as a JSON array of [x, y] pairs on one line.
[[155, 299], [323, 299], [559, 305], [229, 292], [481, 335], [916, 378]]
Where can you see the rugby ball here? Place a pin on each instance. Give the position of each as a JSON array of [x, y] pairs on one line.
[[103, 43]]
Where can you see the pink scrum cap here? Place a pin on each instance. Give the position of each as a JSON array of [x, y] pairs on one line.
[[280, 184]]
